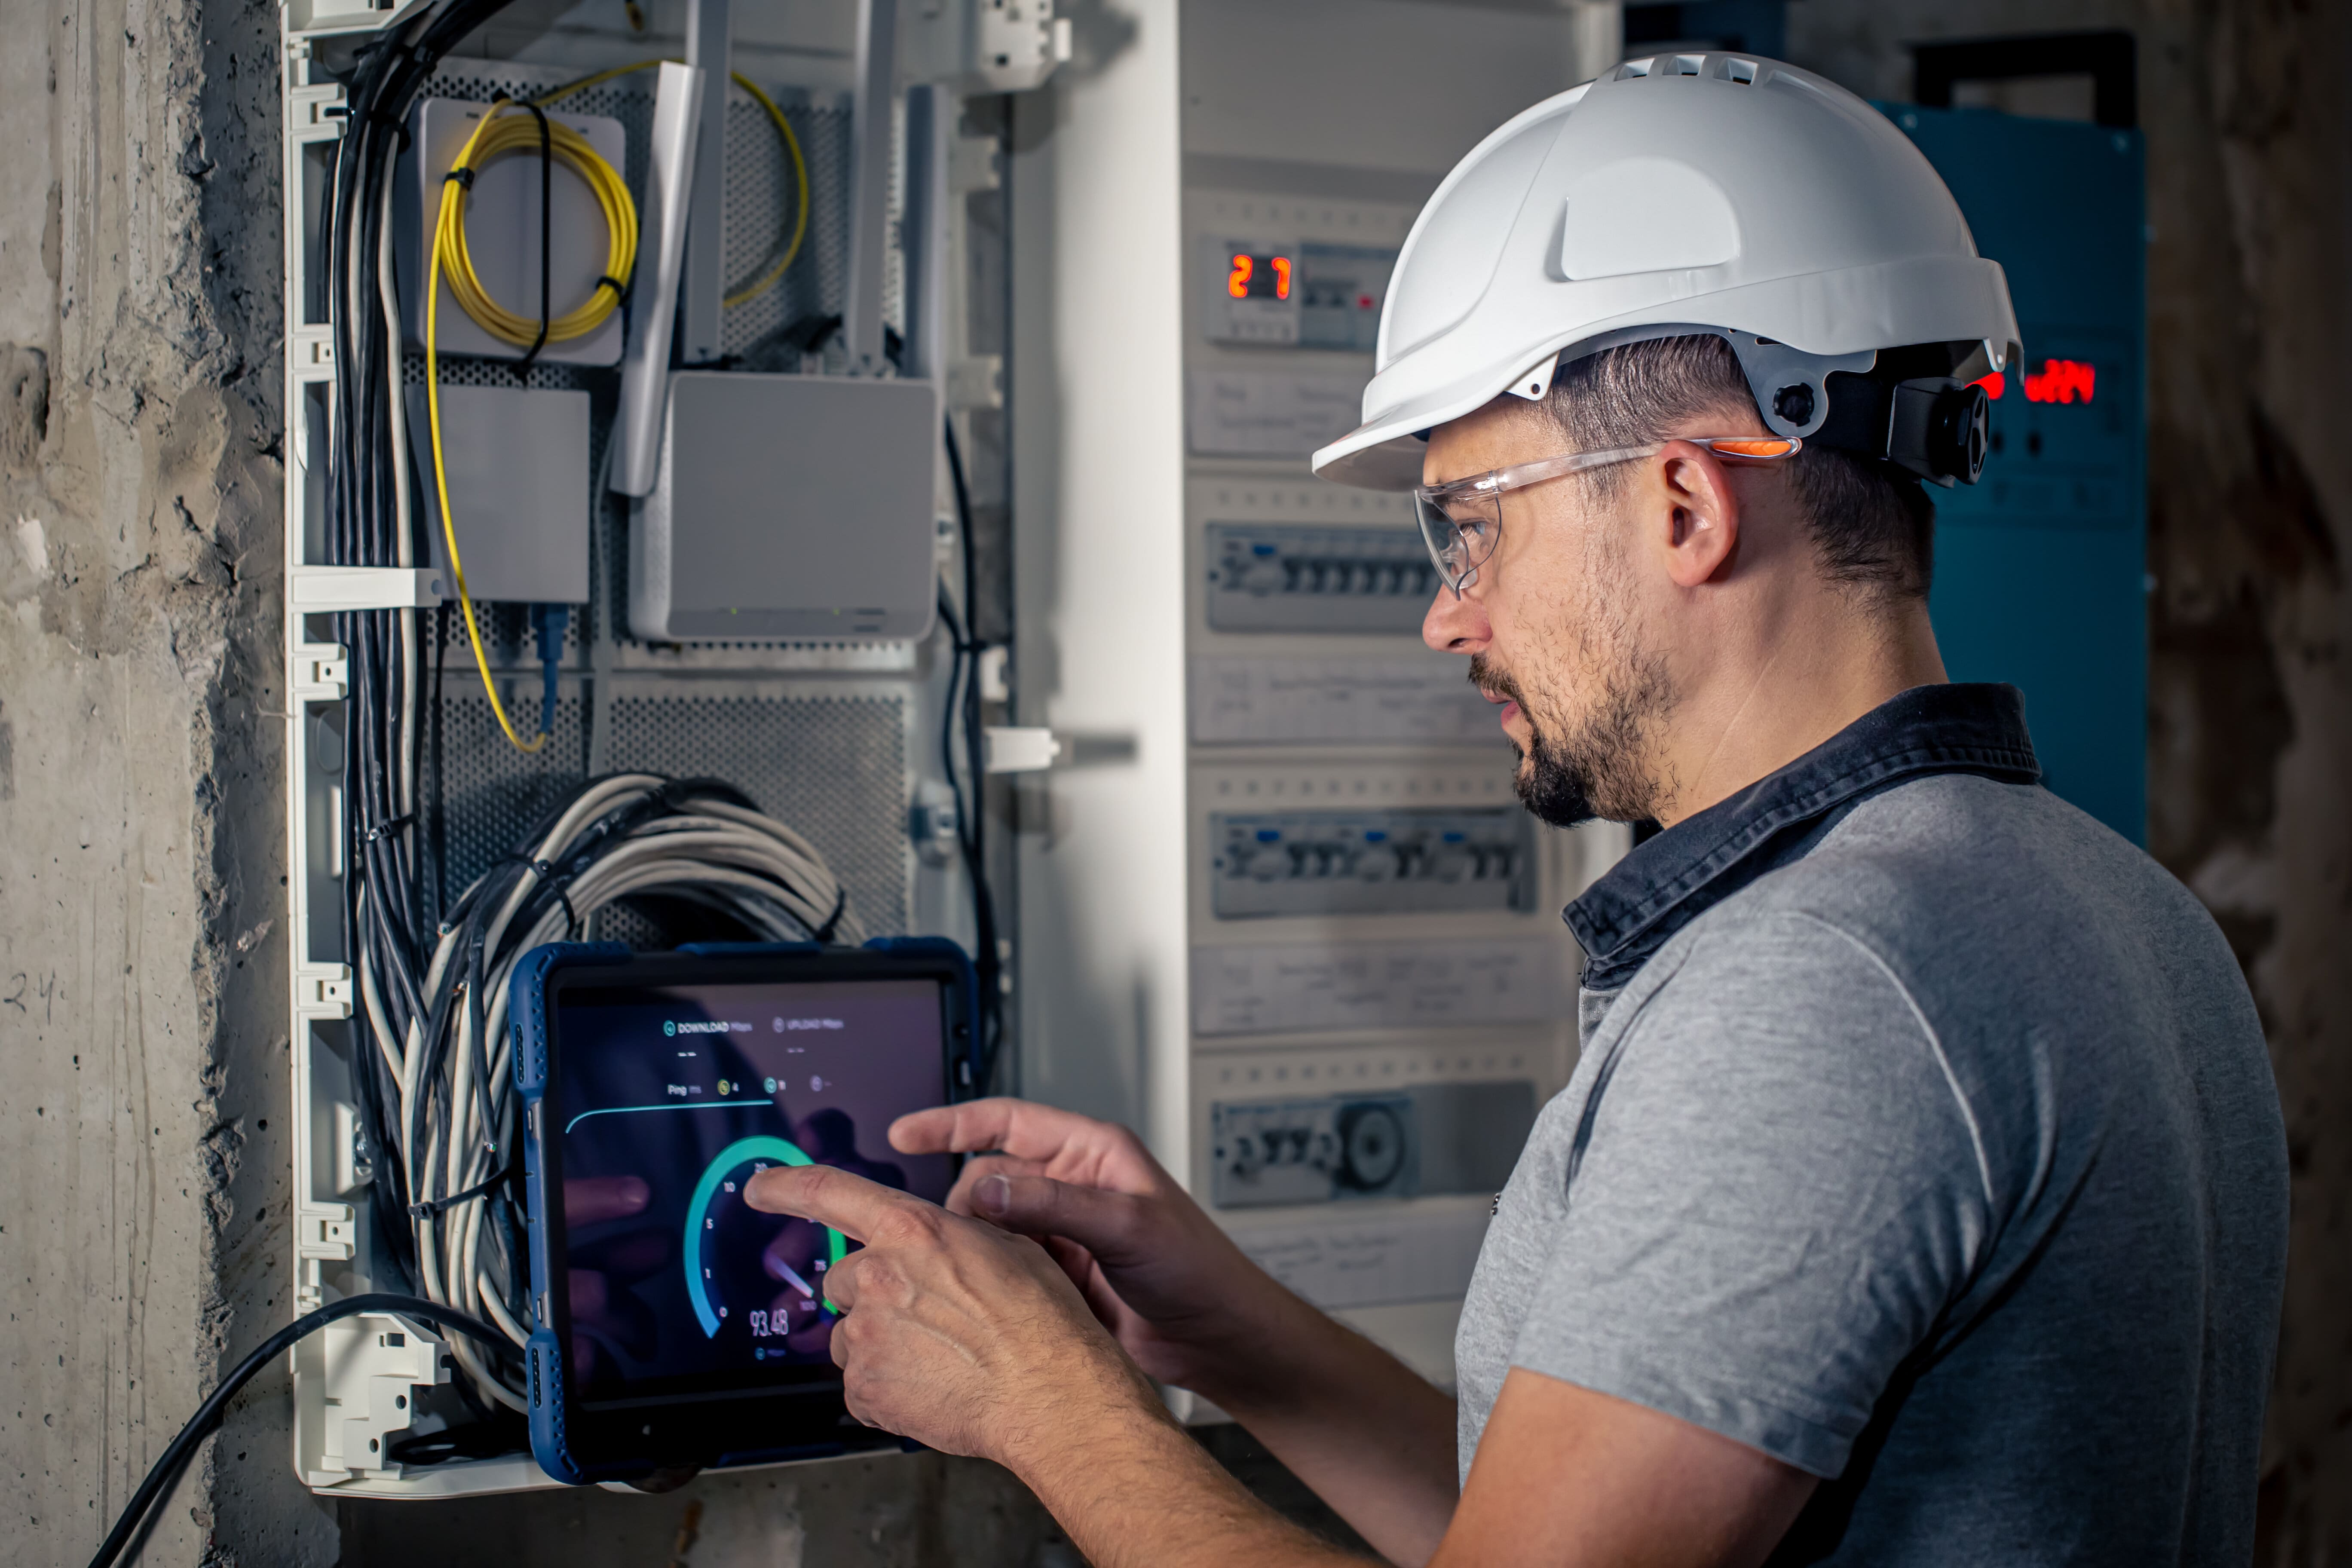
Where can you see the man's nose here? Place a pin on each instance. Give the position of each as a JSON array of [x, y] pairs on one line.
[[1455, 623]]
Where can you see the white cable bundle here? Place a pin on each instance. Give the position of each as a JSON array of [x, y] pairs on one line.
[[623, 836]]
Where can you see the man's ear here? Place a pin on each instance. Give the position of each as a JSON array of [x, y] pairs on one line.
[[1696, 513]]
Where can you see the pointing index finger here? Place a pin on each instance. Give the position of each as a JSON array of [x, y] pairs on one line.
[[850, 1204], [1017, 1127]]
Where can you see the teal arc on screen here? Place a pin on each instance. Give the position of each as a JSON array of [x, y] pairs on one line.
[[698, 1228]]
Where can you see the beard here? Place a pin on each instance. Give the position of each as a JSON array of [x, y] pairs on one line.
[[1597, 764]]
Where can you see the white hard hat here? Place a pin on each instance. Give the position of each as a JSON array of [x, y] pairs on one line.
[[1702, 193]]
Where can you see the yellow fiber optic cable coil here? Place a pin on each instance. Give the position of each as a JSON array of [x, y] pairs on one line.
[[499, 133]]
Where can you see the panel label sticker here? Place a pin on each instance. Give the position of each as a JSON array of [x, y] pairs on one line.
[[1413, 700], [1285, 987]]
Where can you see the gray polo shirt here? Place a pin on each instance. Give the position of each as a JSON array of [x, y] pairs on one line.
[[1925, 1138]]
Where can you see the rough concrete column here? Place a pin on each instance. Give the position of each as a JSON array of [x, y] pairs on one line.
[[143, 1234]]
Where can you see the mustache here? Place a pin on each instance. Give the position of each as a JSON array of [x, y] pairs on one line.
[[1490, 681]]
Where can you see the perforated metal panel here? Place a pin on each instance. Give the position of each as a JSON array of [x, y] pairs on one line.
[[492, 794], [761, 196], [833, 766]]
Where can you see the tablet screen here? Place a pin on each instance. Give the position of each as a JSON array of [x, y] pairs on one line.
[[667, 1100]]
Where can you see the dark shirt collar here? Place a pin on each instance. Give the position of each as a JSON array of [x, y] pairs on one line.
[[1665, 884]]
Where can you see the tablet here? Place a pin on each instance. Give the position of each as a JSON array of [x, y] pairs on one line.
[[673, 1324]]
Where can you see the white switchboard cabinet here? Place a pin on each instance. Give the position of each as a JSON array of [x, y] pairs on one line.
[[1281, 910], [837, 734]]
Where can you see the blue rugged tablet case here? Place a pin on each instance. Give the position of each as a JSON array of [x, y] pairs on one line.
[[527, 1010]]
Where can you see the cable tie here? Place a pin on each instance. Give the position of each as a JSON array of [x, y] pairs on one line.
[[465, 177], [571, 915], [383, 830], [434, 1208], [561, 882], [620, 290], [824, 934], [546, 234]]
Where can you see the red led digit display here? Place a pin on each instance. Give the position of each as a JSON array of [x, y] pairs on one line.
[[1249, 277], [2061, 380], [2058, 381]]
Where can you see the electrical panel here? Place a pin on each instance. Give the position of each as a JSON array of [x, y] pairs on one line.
[[1375, 862], [780, 635], [1342, 291], [2042, 569], [1285, 912], [1427, 1141], [1272, 578]]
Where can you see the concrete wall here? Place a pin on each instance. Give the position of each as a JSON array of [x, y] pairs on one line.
[[143, 1234], [141, 989]]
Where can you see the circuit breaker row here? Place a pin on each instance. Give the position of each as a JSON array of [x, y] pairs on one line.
[[1265, 578], [1424, 1142], [1370, 862]]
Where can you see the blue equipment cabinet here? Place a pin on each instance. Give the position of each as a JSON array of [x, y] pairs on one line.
[[2041, 570]]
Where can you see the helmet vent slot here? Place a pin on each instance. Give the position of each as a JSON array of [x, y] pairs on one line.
[[1633, 69], [1689, 65], [1740, 71]]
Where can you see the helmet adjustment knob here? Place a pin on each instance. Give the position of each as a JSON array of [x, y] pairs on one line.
[[1794, 404]]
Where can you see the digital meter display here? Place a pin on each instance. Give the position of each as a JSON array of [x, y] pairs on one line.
[[1254, 276], [2058, 381]]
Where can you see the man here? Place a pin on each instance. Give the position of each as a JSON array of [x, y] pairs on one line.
[[1919, 1195]]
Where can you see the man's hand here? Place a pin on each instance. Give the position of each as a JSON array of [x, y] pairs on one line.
[[1373, 1439], [955, 1333], [1183, 1300]]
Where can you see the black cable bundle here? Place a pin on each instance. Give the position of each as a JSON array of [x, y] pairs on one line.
[[963, 705], [370, 522]]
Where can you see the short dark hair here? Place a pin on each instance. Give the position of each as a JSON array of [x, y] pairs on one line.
[[1873, 525]]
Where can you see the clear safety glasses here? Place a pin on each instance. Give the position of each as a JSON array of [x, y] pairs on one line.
[[1461, 521]]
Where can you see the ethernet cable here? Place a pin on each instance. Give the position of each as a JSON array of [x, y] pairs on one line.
[[962, 706], [450, 1156]]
